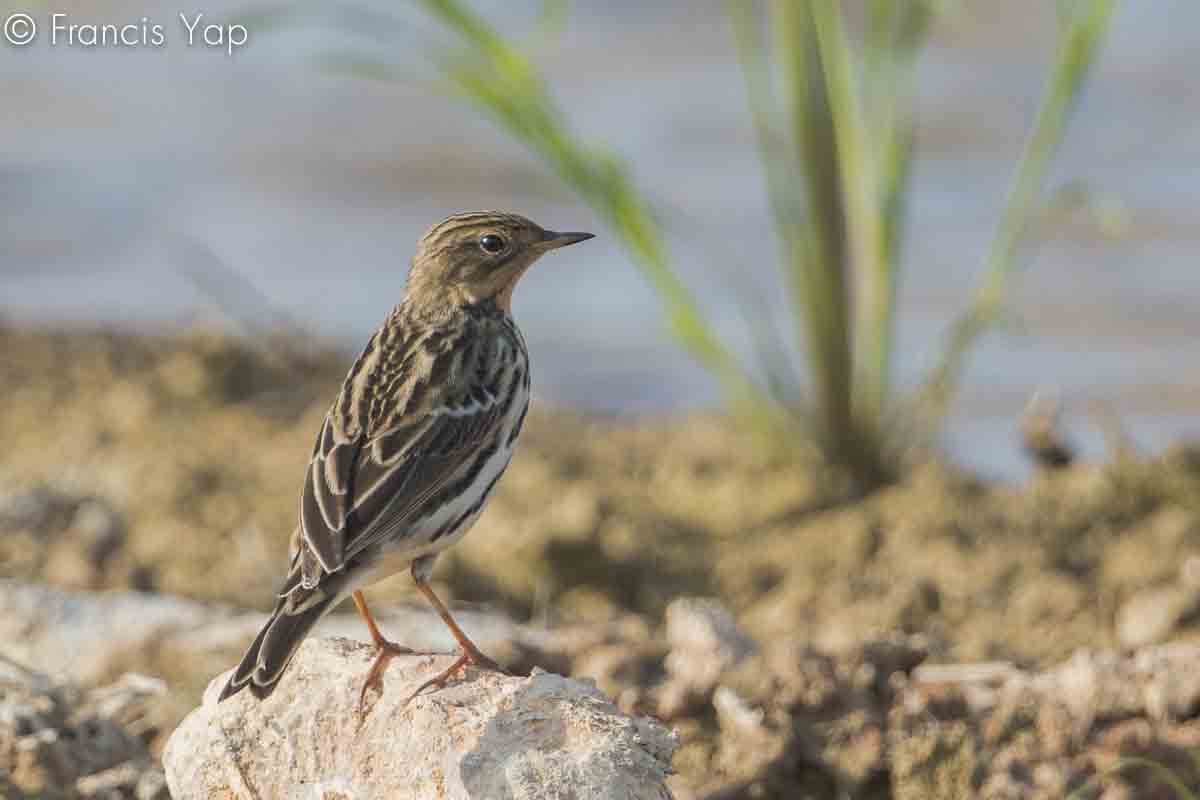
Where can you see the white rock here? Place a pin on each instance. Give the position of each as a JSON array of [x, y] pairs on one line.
[[705, 641], [485, 736], [1152, 615]]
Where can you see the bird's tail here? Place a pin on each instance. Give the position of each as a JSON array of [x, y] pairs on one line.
[[273, 648]]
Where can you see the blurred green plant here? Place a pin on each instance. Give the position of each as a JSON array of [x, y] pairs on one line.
[[835, 122], [835, 126]]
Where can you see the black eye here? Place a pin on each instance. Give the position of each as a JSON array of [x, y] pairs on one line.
[[491, 243]]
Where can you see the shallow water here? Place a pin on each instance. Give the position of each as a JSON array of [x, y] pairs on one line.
[[313, 186]]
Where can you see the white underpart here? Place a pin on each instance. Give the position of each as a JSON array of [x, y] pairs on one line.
[[416, 542]]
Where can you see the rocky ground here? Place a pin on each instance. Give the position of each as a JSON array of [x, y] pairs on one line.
[[943, 638], [58, 741]]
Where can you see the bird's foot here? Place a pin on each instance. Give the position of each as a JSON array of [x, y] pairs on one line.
[[470, 656], [387, 651]]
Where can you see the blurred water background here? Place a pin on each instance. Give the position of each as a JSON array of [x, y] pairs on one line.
[[313, 186]]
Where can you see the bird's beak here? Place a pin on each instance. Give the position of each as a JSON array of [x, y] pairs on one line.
[[552, 240]]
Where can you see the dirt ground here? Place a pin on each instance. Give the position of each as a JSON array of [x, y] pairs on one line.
[[172, 465]]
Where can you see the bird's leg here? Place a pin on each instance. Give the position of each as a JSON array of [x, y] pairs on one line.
[[470, 653], [387, 650]]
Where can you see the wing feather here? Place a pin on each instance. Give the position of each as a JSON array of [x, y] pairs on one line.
[[448, 447], [362, 488], [325, 501]]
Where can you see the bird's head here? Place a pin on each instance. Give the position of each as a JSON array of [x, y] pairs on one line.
[[480, 256]]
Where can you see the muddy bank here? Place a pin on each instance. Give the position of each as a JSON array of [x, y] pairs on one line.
[[172, 465]]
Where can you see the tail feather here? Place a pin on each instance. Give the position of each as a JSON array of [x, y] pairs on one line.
[[272, 650]]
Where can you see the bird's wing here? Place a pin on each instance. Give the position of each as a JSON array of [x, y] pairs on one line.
[[363, 489]]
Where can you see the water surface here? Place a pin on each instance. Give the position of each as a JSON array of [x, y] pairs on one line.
[[314, 185]]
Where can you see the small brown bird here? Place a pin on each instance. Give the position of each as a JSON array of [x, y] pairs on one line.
[[421, 431]]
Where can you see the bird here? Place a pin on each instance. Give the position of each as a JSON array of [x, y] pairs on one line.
[[423, 427]]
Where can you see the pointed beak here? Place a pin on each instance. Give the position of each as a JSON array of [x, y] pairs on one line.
[[552, 240]]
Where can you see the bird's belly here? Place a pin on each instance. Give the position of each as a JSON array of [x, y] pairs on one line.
[[445, 525]]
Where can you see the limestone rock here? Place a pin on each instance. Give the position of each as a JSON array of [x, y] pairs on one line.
[[704, 642], [1150, 616], [483, 736], [60, 742]]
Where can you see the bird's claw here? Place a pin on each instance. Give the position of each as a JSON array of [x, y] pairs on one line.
[[470, 657], [374, 679]]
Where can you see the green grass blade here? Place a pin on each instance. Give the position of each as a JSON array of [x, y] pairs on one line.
[[1084, 26], [496, 77], [865, 233], [779, 171], [816, 265]]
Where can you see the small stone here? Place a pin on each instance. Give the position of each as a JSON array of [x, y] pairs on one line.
[[1150, 616], [98, 529], [57, 740], [705, 641], [1173, 692], [734, 715]]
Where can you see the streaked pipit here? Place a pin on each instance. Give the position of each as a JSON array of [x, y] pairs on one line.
[[423, 428]]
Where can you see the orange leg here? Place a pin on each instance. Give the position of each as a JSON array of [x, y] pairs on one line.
[[387, 650], [470, 653]]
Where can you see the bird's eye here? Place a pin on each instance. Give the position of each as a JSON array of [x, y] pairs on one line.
[[491, 243]]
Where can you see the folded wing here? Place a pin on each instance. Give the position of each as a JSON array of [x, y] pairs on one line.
[[365, 489]]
